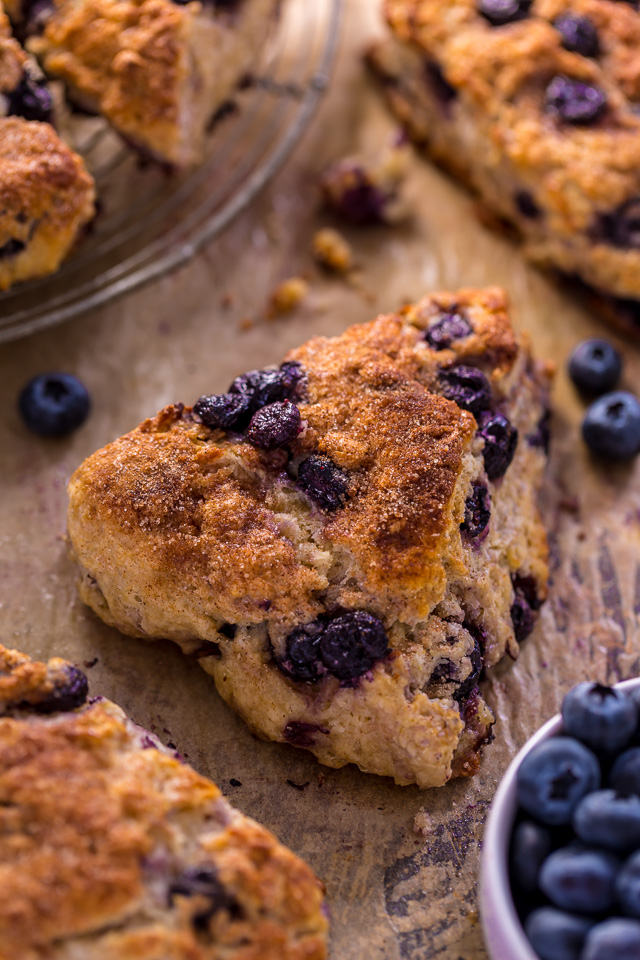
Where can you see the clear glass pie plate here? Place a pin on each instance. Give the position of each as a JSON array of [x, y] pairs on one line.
[[151, 222]]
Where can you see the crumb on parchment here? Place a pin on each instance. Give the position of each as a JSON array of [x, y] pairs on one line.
[[332, 250], [287, 296]]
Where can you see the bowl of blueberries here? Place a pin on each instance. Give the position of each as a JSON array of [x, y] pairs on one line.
[[560, 872]]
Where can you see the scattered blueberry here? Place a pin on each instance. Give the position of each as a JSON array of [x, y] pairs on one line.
[[449, 327], [556, 935], [226, 411], [601, 717], [611, 427], [625, 772], [302, 660], [54, 404], [578, 34], [30, 99], [530, 847], [615, 939], [621, 227], [595, 366], [574, 101], [609, 819], [554, 777], [477, 512], [580, 879], [628, 886], [324, 482], [499, 12], [275, 426], [466, 386], [500, 443], [352, 643]]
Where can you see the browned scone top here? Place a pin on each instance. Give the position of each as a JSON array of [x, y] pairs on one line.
[[199, 534], [112, 848], [479, 94], [12, 57]]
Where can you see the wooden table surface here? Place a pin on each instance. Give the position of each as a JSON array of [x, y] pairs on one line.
[[394, 892]]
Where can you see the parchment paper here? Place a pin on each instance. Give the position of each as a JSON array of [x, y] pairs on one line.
[[394, 892]]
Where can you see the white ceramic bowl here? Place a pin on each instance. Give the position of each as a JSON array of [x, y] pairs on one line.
[[504, 936]]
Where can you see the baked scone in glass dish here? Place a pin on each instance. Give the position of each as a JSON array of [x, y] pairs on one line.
[[345, 542], [113, 848]]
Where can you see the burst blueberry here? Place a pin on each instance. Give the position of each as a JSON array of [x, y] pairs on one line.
[[324, 482], [54, 404], [580, 879], [579, 34], [226, 411], [621, 227], [573, 101], [464, 690], [466, 386], [262, 387], [449, 327], [530, 846], [351, 644], [615, 939], [611, 427], [275, 426], [500, 443], [30, 99], [595, 366], [554, 778], [557, 935], [601, 717], [302, 653], [499, 12], [477, 512], [203, 883], [68, 693]]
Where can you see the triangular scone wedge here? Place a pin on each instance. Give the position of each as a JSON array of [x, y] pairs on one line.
[[346, 587], [159, 71], [112, 848]]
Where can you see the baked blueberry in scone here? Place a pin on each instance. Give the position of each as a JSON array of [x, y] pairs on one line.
[[535, 104], [344, 542], [158, 70], [112, 848], [46, 193]]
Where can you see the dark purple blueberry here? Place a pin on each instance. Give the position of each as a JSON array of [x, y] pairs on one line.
[[499, 12], [609, 819], [477, 512], [443, 672], [275, 426], [325, 483], [301, 734], [467, 686], [302, 653], [441, 87], [466, 386], [595, 366], [527, 205], [530, 846], [574, 101], [11, 248], [524, 605], [542, 436], [449, 327], [203, 883], [580, 879], [54, 404], [614, 939], [621, 227], [557, 935], [628, 886], [500, 442], [625, 773], [225, 411], [30, 99], [360, 201], [600, 716], [263, 387], [611, 427], [578, 34], [554, 777], [351, 644], [67, 694]]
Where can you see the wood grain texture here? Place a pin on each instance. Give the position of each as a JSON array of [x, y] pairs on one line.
[[396, 894]]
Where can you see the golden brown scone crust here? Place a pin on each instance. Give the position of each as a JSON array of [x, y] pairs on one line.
[[157, 70], [102, 831], [494, 133], [181, 531]]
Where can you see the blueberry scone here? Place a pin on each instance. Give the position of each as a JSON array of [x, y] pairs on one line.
[[111, 848], [535, 104], [345, 542], [158, 70], [46, 194]]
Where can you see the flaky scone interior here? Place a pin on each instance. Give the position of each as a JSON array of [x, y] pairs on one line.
[[345, 542], [112, 848]]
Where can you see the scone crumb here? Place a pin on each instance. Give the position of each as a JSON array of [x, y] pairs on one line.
[[423, 823], [332, 250], [287, 296], [364, 192]]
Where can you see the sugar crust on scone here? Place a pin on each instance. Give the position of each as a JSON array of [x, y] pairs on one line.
[[191, 534], [472, 94], [112, 848]]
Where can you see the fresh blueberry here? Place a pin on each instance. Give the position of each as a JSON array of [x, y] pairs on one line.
[[466, 386], [302, 658], [524, 605], [530, 847], [628, 886], [580, 879], [204, 884], [352, 643], [600, 716], [615, 939], [499, 12], [449, 327], [609, 819], [68, 694], [275, 426], [324, 482], [500, 443], [611, 427], [578, 34], [477, 512], [30, 99], [595, 366], [625, 772], [54, 404], [554, 778], [621, 227], [574, 101], [556, 935], [226, 411]]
